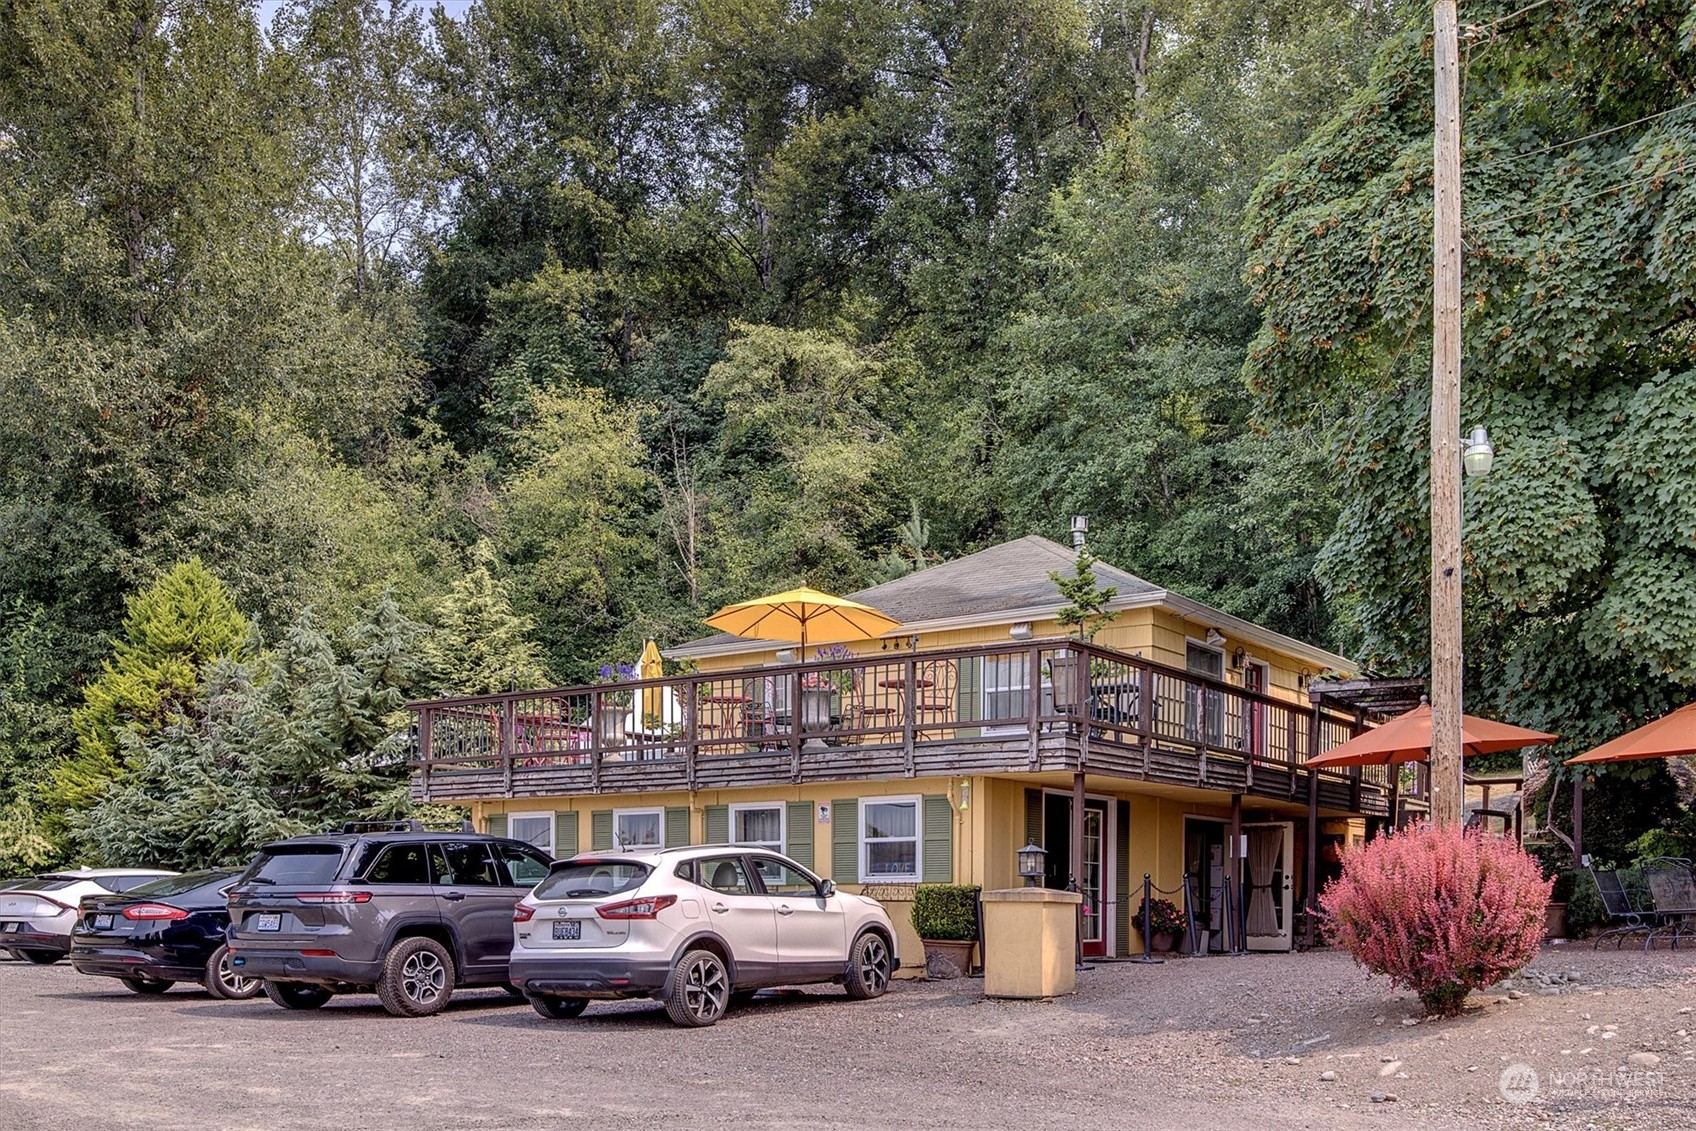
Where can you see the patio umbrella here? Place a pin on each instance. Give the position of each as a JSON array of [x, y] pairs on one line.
[[804, 615], [650, 666], [1667, 737], [1407, 738]]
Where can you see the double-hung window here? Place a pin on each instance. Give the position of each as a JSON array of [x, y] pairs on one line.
[[534, 829], [638, 828], [889, 839], [760, 825]]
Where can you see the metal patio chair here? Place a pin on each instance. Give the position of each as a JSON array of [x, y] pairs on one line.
[[1672, 885], [1616, 901]]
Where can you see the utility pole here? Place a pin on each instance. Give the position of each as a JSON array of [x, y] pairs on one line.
[[1446, 773]]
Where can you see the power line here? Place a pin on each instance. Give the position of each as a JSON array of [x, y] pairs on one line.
[[1579, 140]]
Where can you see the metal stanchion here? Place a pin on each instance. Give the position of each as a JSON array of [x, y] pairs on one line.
[[1149, 953]]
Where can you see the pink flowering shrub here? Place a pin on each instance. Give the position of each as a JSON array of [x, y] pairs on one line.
[[1440, 911]]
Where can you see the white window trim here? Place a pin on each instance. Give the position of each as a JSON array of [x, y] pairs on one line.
[[991, 726], [548, 817], [619, 814], [782, 846], [1216, 649], [918, 872]]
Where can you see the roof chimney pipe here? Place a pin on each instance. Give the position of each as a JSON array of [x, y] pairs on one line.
[[1080, 528]]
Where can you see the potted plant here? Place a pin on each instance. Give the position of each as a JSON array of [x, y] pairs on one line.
[[615, 705], [820, 689], [945, 916], [1165, 923], [1554, 917], [1085, 615]]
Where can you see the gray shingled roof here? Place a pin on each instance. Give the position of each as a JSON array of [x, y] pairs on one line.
[[1013, 575]]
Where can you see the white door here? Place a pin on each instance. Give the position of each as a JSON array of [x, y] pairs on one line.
[[1268, 885]]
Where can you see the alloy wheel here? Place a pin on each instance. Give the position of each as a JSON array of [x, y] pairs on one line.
[[235, 985], [706, 990], [874, 965], [423, 978]]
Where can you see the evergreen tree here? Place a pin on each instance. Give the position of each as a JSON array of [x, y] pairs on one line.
[[479, 645]]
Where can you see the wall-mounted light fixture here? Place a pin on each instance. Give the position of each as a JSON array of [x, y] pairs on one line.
[[1214, 638], [1020, 630], [1480, 454], [1237, 660]]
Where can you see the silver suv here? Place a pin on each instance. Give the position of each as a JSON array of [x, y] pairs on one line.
[[394, 908], [697, 928]]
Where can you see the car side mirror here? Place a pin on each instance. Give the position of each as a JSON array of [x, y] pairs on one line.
[[827, 888]]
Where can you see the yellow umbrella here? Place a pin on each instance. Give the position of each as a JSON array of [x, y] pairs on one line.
[[803, 615], [650, 666]]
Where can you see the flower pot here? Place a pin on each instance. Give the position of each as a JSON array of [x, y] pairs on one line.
[[1162, 941], [947, 958], [1554, 921], [815, 708], [609, 725]]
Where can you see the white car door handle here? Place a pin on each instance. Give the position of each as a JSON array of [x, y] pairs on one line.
[[785, 909], [720, 908]]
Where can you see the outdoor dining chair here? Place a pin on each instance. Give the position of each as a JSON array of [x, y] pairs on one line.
[[1672, 885], [1616, 901]]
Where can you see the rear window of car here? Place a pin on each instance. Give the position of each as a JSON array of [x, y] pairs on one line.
[[295, 864], [178, 885], [124, 883], [589, 879], [53, 883]]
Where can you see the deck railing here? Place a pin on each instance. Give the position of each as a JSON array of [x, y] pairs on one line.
[[907, 701]]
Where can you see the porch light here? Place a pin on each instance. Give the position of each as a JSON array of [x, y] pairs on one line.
[[1031, 862], [1021, 630], [1480, 454]]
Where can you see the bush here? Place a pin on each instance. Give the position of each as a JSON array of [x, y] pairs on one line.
[[1440, 911], [1167, 919], [946, 912]]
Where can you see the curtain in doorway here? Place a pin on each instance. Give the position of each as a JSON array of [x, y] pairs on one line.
[[1264, 846]]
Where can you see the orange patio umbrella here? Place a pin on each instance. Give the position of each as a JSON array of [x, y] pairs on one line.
[[803, 615], [1667, 737], [1407, 738]]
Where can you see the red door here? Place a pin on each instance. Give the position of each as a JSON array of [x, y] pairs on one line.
[[1254, 680]]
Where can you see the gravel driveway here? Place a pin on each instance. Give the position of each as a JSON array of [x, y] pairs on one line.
[[1222, 1042]]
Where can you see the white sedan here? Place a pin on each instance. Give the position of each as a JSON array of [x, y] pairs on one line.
[[697, 928], [37, 916]]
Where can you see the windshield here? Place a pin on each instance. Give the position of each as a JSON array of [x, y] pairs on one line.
[[591, 879], [290, 864], [177, 885]]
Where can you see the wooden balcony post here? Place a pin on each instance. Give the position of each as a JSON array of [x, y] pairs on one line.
[[1310, 897], [1033, 680], [795, 726], [691, 729], [909, 712], [597, 704], [1145, 713], [509, 741], [426, 748]]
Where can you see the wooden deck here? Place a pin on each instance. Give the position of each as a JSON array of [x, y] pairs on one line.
[[1011, 710]]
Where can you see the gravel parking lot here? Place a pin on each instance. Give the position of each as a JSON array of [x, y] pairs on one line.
[[1222, 1042]]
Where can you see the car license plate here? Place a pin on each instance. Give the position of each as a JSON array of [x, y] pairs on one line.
[[567, 930], [103, 922], [269, 922]]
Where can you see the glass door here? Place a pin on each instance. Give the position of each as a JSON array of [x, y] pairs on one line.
[[1092, 880]]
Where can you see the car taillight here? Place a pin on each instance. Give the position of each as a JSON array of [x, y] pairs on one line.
[[334, 897], [154, 911], [522, 913], [645, 907]]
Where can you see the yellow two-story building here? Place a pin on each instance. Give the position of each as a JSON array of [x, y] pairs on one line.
[[1172, 745]]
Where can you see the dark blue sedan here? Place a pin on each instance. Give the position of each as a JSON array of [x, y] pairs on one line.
[[161, 933]]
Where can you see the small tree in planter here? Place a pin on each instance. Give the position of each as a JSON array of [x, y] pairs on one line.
[[945, 917], [1438, 910]]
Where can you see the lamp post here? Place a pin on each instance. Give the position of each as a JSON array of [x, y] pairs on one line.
[[1033, 859]]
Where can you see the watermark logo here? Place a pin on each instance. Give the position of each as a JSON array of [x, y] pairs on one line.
[[1519, 1083]]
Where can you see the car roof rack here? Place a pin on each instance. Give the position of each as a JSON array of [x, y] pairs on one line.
[[410, 826]]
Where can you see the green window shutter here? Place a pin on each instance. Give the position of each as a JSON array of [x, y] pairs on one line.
[[600, 830], [1122, 886], [496, 824], [565, 835], [798, 833], [1033, 817], [938, 833], [718, 824], [845, 841], [676, 826], [968, 695]]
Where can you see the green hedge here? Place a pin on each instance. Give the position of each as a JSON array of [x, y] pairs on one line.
[[946, 912]]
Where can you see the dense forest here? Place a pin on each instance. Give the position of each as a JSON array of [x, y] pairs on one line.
[[354, 352]]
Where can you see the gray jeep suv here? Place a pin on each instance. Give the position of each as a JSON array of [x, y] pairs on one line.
[[393, 907]]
